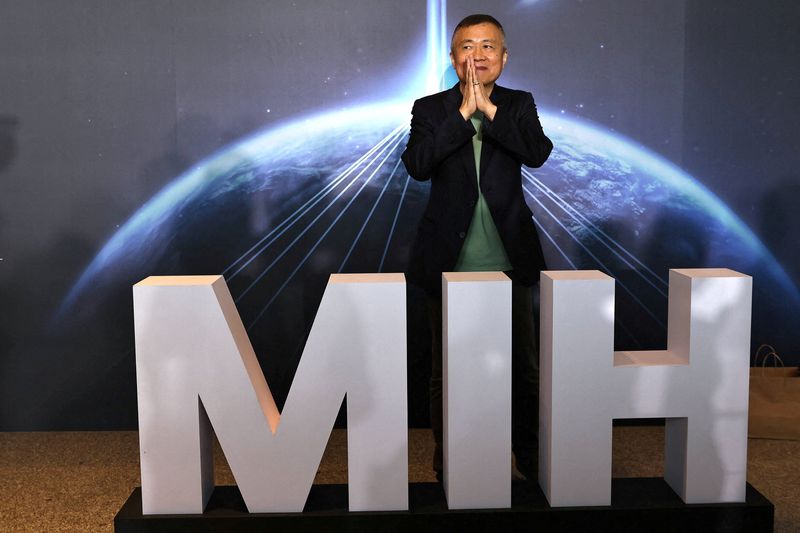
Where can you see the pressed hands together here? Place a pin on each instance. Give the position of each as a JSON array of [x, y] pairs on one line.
[[474, 95]]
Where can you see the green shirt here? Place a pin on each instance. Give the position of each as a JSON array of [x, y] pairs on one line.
[[483, 250]]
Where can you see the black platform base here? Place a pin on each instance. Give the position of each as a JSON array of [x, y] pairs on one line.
[[638, 504]]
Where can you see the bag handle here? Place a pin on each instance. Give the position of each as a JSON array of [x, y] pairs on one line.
[[766, 352]]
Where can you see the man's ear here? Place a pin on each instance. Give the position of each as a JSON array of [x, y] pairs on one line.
[[505, 56], [453, 60]]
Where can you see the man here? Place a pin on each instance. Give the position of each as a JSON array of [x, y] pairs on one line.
[[471, 141]]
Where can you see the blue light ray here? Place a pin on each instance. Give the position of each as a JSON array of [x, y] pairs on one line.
[[603, 141], [313, 201], [436, 57], [307, 206], [596, 259], [369, 216], [552, 241], [321, 238], [587, 224], [308, 227], [443, 46], [394, 223], [593, 231]]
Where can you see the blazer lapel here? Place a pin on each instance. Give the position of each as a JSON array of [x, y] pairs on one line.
[[487, 148], [452, 101]]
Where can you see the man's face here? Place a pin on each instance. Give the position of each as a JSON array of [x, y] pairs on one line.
[[484, 42]]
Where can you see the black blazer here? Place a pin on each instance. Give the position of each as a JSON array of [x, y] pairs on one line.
[[440, 149]]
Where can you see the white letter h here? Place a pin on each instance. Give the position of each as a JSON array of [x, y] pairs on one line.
[[699, 384]]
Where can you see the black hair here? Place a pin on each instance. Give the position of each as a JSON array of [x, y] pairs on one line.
[[474, 20]]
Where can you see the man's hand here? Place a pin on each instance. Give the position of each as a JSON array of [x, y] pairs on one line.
[[474, 95], [468, 102], [482, 101]]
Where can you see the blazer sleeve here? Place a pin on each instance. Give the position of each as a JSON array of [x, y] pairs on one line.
[[517, 129], [432, 141]]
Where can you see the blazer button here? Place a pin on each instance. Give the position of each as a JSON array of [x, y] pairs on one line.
[[462, 235]]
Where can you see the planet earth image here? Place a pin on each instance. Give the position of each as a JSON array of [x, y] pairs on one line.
[[279, 211]]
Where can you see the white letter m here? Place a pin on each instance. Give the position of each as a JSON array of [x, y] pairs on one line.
[[196, 369]]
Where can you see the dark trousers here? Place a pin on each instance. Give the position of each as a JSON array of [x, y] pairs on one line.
[[524, 380]]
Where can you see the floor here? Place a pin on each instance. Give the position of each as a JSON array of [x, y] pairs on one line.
[[76, 481]]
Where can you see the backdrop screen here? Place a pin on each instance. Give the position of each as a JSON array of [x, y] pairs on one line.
[[262, 141]]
